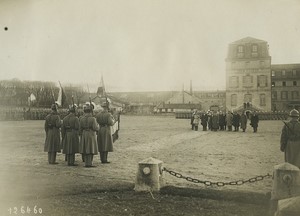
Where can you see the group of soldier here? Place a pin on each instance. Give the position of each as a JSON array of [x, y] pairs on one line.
[[232, 121], [290, 134], [87, 135]]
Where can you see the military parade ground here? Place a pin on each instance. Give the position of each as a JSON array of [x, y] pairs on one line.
[[107, 189]]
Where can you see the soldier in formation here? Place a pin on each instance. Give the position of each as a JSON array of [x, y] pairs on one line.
[[87, 130], [104, 138], [290, 139], [70, 135], [52, 129]]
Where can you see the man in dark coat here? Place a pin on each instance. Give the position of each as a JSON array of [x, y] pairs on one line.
[[244, 121], [229, 118], [290, 139], [52, 129], [88, 141], [236, 121], [70, 135], [222, 121], [254, 121], [204, 119], [214, 121], [104, 138]]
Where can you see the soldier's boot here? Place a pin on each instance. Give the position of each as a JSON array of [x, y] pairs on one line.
[[89, 160], [105, 155], [53, 158], [49, 157], [102, 157]]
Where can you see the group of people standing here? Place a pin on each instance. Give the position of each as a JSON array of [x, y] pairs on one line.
[[232, 121], [86, 135]]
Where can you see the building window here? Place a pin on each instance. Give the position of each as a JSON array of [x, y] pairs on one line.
[[254, 48], [262, 81], [240, 49], [274, 95], [283, 83], [262, 100], [262, 63], [247, 81], [283, 73], [234, 100], [294, 83], [294, 73], [295, 95], [284, 95], [273, 84], [273, 73], [234, 82]]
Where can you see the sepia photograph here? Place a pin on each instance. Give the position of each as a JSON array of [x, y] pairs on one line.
[[150, 107]]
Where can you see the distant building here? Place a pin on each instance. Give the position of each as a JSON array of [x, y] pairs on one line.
[[285, 86], [248, 80], [252, 83]]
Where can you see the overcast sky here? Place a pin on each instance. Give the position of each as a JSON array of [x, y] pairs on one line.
[[139, 45]]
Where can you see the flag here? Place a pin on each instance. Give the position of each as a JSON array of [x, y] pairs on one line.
[[101, 88], [61, 96], [31, 99]]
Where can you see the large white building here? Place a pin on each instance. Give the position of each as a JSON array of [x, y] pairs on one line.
[[248, 75]]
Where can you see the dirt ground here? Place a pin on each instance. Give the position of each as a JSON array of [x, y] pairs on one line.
[[28, 181]]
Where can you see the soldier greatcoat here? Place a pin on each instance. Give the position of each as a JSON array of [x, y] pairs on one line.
[[290, 142], [104, 138], [70, 134], [87, 129], [52, 129]]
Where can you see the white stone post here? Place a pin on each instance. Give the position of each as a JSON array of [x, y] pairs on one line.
[[286, 182], [149, 175]]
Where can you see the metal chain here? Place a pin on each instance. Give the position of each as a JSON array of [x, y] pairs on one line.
[[219, 184]]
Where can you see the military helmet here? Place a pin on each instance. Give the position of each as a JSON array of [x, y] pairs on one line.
[[93, 105], [86, 107], [54, 106], [294, 113], [72, 108]]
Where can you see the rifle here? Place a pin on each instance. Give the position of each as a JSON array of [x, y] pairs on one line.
[[90, 97], [73, 101], [289, 129]]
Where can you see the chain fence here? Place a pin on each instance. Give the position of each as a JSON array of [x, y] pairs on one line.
[[219, 183]]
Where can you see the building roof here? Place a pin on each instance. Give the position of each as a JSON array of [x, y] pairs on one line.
[[285, 66], [248, 40]]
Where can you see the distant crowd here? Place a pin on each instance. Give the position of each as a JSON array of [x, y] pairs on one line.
[[221, 121], [33, 113]]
